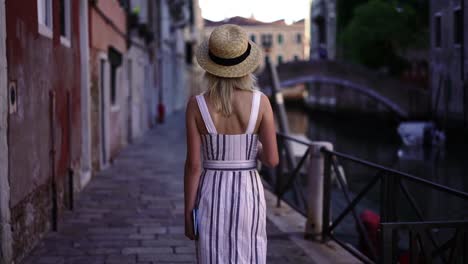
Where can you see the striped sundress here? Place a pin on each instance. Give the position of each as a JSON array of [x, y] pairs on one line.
[[231, 202]]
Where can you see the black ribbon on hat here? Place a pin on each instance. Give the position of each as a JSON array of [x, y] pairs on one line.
[[231, 61]]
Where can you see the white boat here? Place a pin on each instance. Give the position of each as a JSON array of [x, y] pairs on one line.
[[421, 133]]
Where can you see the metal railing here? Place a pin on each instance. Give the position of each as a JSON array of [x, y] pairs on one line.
[[424, 246]]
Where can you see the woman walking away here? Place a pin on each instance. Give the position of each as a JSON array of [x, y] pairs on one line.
[[229, 125]]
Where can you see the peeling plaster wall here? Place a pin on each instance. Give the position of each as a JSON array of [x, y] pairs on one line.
[[5, 226], [103, 36], [448, 98], [40, 65]]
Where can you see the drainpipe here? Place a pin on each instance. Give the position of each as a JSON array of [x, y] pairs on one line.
[[161, 108], [52, 160], [70, 152]]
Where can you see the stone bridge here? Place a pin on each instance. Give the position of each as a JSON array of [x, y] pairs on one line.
[[405, 100]]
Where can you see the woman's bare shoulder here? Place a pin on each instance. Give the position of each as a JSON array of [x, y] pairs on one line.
[[264, 101], [192, 104]]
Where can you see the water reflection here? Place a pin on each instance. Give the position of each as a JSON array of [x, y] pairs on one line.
[[377, 140]]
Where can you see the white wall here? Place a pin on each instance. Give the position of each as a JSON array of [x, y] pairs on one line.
[[140, 90], [5, 228]]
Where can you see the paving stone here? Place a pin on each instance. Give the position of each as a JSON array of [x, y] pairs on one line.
[[119, 259], [185, 250], [153, 230], [171, 258], [146, 250]]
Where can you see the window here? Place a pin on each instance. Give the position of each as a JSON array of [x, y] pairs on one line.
[[299, 38], [457, 27], [115, 59], [267, 40], [188, 53], [322, 30], [113, 87], [252, 38], [438, 31], [280, 39], [65, 22], [44, 17], [280, 59]]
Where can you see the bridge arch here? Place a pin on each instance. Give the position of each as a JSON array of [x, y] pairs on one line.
[[402, 113], [403, 99]]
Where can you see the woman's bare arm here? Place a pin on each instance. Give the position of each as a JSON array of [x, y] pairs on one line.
[[192, 165], [267, 135]]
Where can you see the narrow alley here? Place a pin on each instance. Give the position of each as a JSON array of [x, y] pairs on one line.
[[132, 212]]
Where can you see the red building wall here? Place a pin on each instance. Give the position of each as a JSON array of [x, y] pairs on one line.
[[41, 66]]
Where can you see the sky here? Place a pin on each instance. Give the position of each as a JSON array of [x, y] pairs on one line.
[[263, 10]]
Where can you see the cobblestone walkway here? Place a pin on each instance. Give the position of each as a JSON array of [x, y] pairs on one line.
[[133, 211]]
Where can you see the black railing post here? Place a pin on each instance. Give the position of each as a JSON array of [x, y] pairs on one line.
[[394, 182], [393, 207], [384, 198], [326, 197], [388, 213], [387, 244]]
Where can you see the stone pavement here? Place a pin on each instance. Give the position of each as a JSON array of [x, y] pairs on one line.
[[133, 211]]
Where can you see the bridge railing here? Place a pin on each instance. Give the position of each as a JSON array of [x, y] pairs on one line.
[[310, 192]]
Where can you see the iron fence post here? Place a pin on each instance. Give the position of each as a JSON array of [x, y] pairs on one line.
[[388, 213], [383, 198], [393, 207], [387, 245]]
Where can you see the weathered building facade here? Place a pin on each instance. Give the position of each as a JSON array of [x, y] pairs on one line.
[[449, 62], [44, 116], [284, 42], [108, 45], [321, 28], [173, 17], [79, 81]]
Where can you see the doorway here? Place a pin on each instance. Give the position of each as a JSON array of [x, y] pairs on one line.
[[103, 109]]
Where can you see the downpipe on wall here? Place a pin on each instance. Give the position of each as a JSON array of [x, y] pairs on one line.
[[52, 160]]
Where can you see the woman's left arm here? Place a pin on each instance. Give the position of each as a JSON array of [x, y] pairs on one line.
[[192, 165]]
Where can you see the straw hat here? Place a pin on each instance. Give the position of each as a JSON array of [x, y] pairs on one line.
[[229, 52]]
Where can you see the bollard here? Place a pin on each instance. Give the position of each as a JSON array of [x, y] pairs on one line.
[[315, 190]]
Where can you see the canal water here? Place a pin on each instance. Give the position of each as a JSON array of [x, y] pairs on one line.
[[377, 140]]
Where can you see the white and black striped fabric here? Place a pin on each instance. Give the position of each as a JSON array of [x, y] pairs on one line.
[[231, 203]]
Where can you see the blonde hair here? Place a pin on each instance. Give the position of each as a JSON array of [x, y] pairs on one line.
[[220, 89]]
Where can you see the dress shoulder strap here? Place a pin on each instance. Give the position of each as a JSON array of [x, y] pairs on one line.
[[254, 112], [205, 114]]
